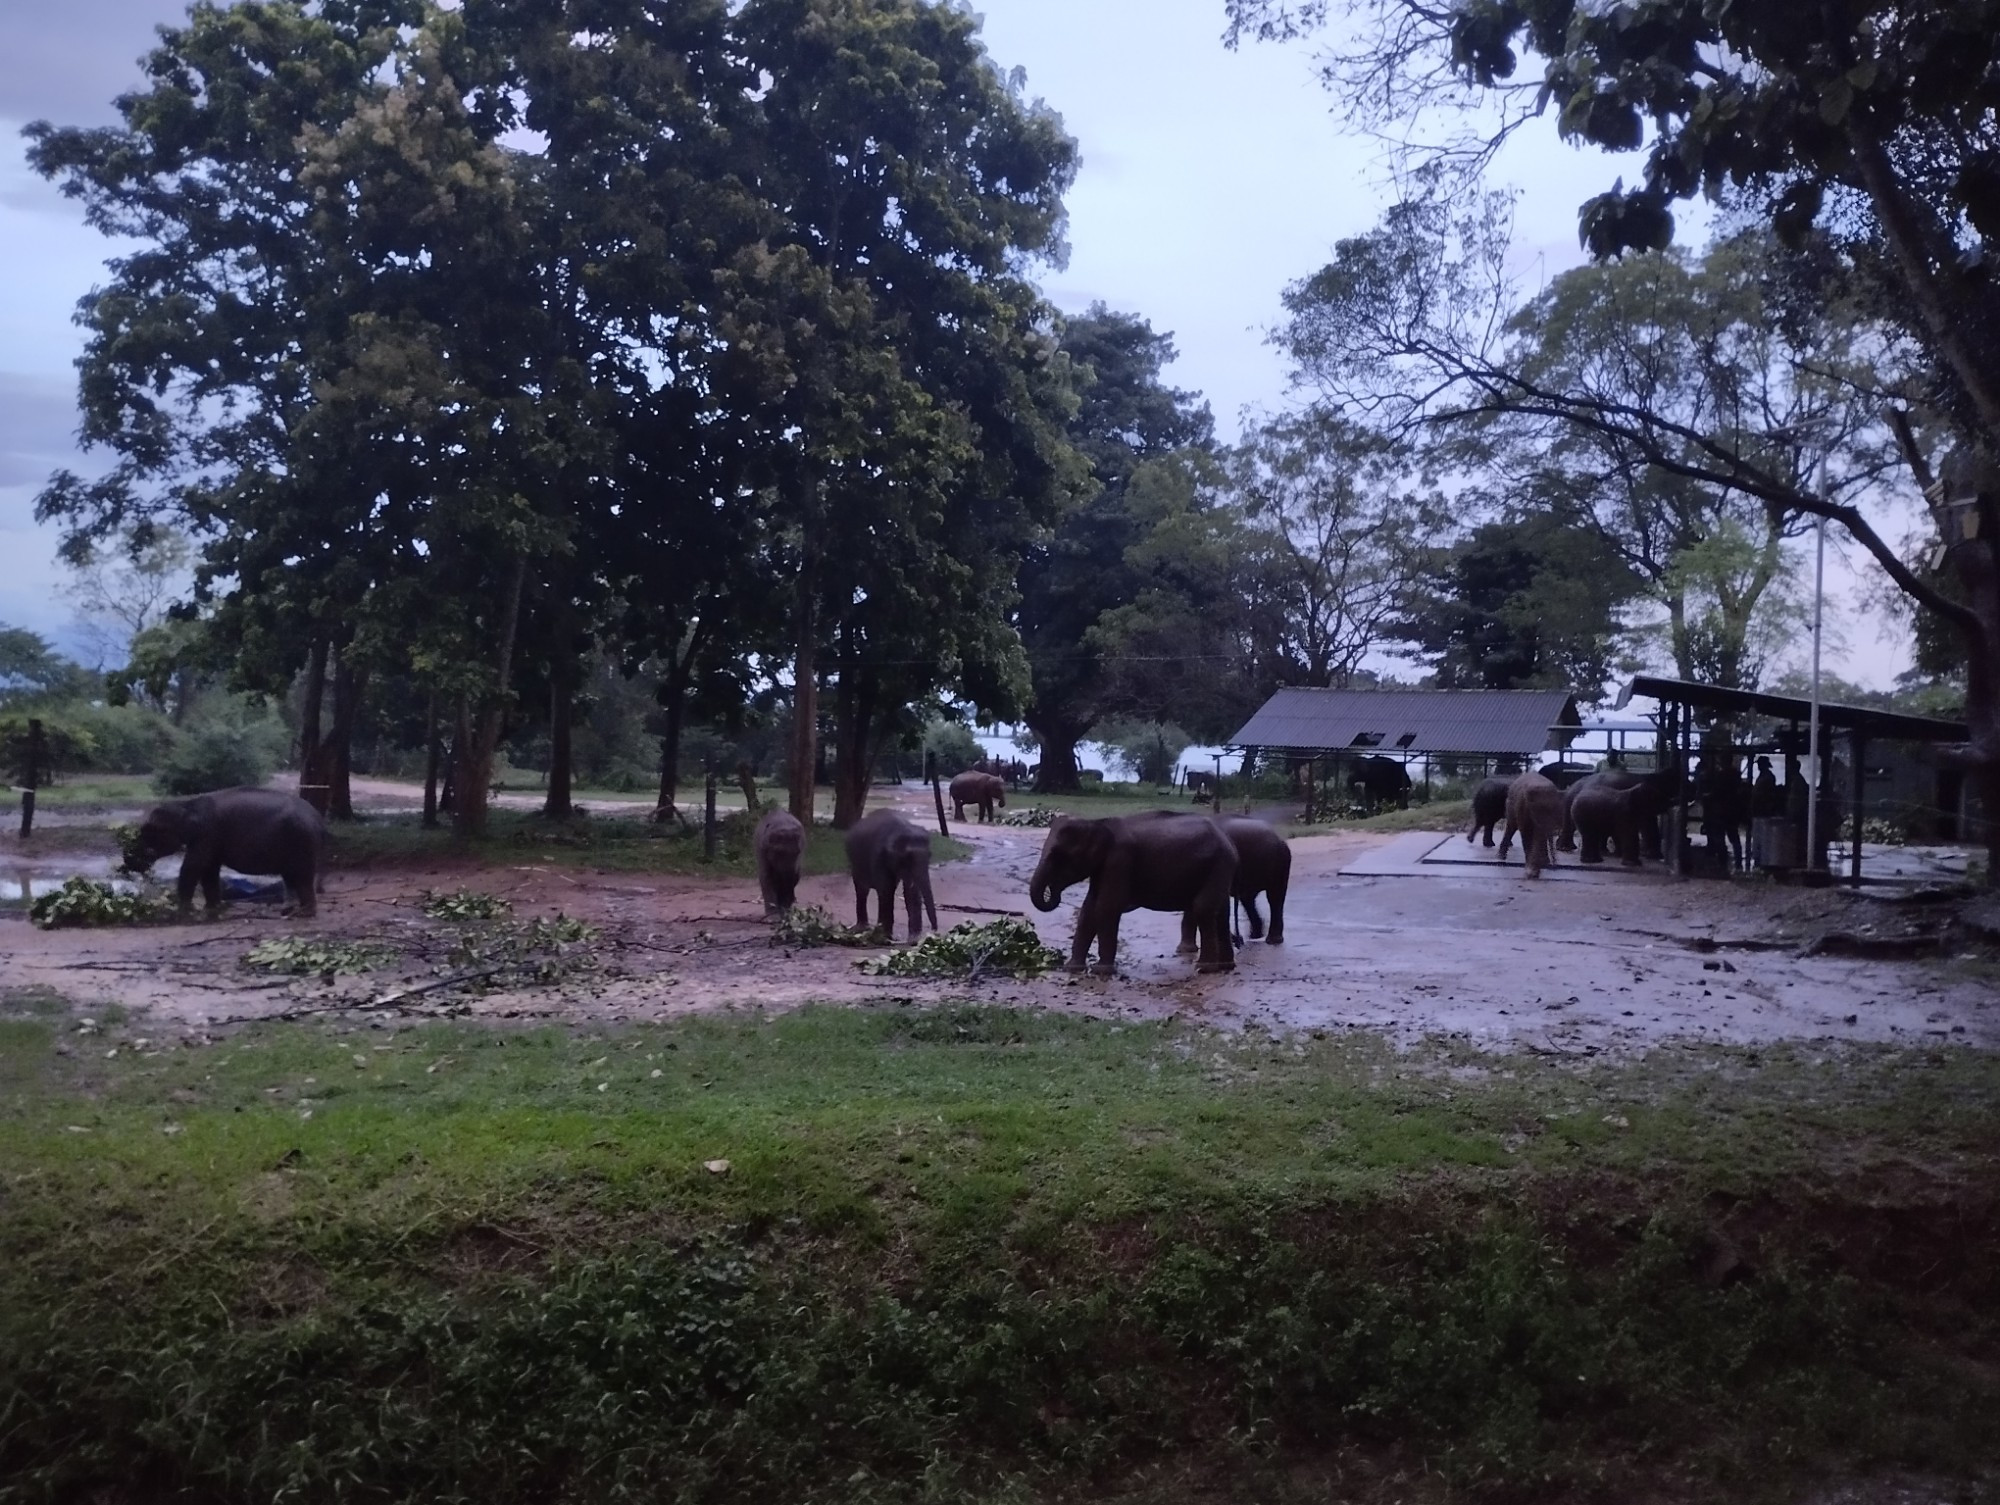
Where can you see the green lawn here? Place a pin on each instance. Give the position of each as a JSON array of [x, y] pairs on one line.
[[97, 791], [967, 1253], [607, 843]]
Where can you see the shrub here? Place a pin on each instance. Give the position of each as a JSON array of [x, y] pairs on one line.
[[127, 738], [956, 748], [234, 744]]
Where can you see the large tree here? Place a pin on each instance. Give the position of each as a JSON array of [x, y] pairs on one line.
[[1863, 128], [1071, 578]]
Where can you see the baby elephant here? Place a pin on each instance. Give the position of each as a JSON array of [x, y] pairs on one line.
[[1535, 809], [1489, 806], [885, 850], [986, 790], [780, 846], [259, 832]]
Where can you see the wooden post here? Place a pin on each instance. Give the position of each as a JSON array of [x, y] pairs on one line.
[[33, 772], [708, 811], [937, 790]]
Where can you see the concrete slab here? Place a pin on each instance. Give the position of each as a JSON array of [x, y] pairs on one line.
[[1426, 854]]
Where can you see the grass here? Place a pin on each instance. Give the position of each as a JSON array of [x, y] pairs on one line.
[[969, 1253], [606, 843], [97, 791]]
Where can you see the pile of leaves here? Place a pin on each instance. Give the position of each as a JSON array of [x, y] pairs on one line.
[[82, 902], [1004, 948], [1040, 817], [812, 926], [304, 958], [127, 838], [514, 953], [465, 904]]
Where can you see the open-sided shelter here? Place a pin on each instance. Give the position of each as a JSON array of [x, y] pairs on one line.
[[1513, 726]]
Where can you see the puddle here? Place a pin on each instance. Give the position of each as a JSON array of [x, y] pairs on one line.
[[23, 879]]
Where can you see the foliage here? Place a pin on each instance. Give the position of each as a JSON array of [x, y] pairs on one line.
[[1003, 948], [80, 902], [301, 957], [1149, 751], [463, 904], [982, 1253], [809, 925], [32, 673], [954, 746], [233, 743], [1531, 603], [1036, 817], [67, 744], [1127, 417]]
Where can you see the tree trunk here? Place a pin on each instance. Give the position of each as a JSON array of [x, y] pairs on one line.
[[479, 732], [1058, 771], [562, 710], [853, 745], [433, 752], [311, 775], [673, 701], [804, 762], [349, 684]]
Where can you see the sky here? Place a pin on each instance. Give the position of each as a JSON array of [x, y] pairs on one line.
[[1209, 181]]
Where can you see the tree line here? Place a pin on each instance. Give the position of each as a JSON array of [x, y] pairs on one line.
[[489, 357]]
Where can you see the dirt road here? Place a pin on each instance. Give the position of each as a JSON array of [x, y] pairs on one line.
[[1553, 966]]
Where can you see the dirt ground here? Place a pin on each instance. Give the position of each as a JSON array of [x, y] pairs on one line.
[[1480, 956]]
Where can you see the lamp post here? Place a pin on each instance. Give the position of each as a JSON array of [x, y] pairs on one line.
[[1812, 735]]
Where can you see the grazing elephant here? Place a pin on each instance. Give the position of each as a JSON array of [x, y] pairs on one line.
[[259, 832], [1180, 863], [1489, 807], [986, 790], [1535, 810], [1377, 779], [780, 846], [885, 849], [1263, 866]]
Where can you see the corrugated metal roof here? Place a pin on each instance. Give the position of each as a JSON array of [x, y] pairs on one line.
[[1869, 721], [1411, 721]]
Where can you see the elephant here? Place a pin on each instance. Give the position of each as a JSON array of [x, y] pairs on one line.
[[1535, 810], [1489, 807], [1727, 802], [885, 849], [986, 790], [1263, 866], [1175, 862], [1650, 794], [780, 847], [255, 831], [1377, 779]]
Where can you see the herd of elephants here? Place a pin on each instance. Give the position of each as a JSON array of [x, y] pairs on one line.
[[1193, 863]]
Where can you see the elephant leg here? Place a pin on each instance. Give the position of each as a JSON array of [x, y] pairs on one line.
[[1275, 936], [1188, 946], [1086, 932], [1507, 838], [1256, 920], [1489, 833], [860, 902], [1217, 954], [1593, 845], [211, 886], [300, 885], [1107, 944], [1628, 844], [184, 887], [885, 909]]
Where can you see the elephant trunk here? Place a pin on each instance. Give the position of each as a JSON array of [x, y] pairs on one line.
[[1044, 895]]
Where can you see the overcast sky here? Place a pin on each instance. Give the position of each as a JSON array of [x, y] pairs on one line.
[[1210, 179]]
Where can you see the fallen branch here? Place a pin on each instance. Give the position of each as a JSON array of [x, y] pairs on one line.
[[389, 1000]]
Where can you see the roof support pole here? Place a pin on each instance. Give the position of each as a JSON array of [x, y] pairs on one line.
[[1859, 783]]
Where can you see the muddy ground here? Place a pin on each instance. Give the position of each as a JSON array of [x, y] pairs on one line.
[[1566, 967]]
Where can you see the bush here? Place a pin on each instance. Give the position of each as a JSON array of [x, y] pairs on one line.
[[66, 745], [127, 738], [233, 744], [956, 748]]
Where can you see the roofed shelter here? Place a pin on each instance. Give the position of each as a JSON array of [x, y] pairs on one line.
[[1311, 724], [1682, 701]]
